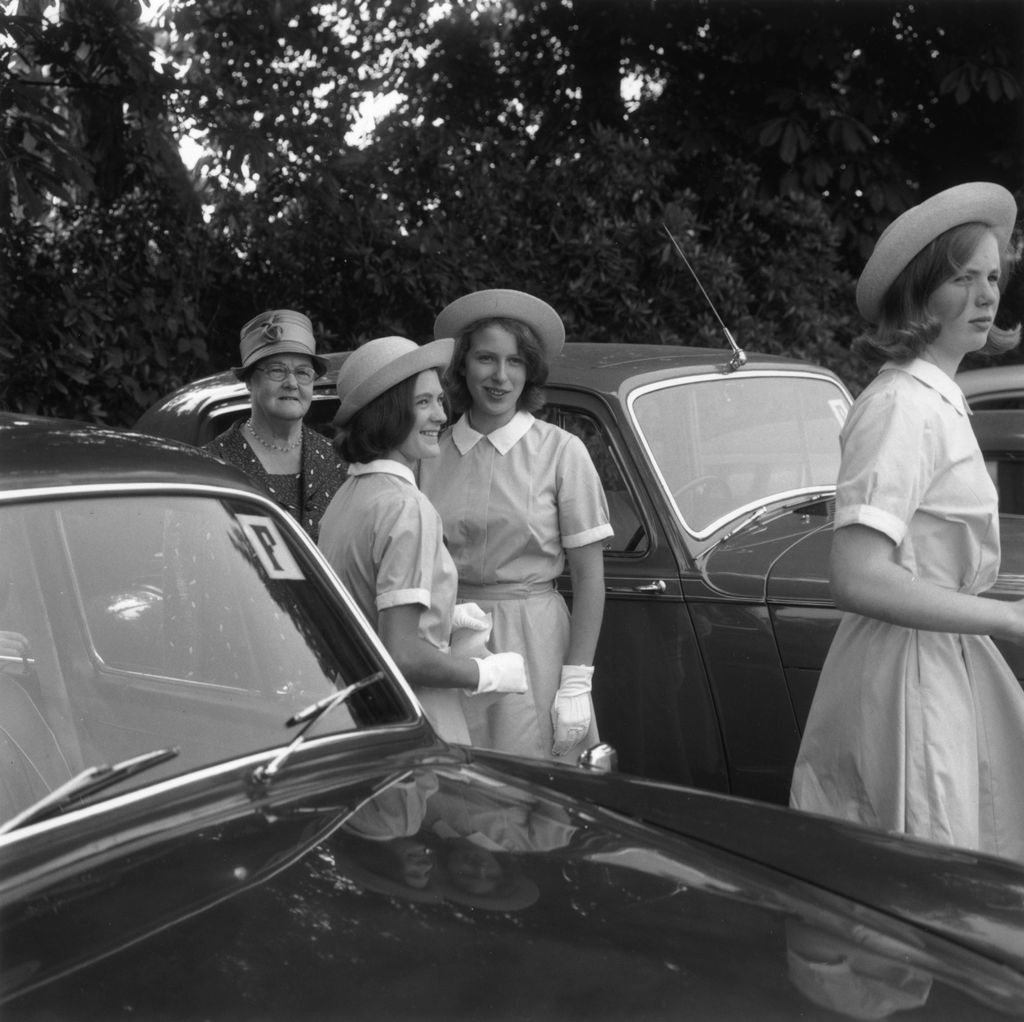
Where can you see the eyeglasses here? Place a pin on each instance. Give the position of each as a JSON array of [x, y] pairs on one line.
[[278, 372]]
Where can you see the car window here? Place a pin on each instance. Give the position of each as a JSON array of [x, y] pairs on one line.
[[997, 402], [153, 621], [630, 533], [724, 445]]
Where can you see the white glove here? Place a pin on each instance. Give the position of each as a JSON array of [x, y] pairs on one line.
[[571, 712], [471, 628], [469, 615], [501, 672]]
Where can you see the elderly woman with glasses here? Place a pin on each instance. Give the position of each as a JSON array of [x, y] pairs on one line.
[[291, 462]]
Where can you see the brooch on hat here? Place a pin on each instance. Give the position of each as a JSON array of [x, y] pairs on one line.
[[272, 329]]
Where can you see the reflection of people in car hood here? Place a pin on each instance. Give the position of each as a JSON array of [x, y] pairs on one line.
[[397, 811], [499, 819], [381, 848], [472, 831], [858, 978], [475, 876], [401, 867]]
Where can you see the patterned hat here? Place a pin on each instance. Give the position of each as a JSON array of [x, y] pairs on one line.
[[278, 332]]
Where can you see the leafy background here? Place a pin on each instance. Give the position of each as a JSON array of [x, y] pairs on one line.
[[536, 144]]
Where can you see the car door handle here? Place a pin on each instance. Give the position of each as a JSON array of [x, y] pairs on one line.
[[657, 586]]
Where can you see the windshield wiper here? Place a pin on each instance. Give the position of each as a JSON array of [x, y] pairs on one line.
[[791, 505], [88, 782], [308, 717]]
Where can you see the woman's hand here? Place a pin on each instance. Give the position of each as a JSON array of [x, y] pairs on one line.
[[501, 672], [471, 628], [571, 711], [471, 616]]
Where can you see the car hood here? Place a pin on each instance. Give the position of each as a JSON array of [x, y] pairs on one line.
[[523, 903]]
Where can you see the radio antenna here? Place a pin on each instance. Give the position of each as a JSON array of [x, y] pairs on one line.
[[739, 357]]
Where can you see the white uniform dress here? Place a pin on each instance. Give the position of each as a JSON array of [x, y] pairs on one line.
[[384, 540], [918, 732], [512, 502]]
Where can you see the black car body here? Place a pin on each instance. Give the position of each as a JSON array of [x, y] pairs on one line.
[[222, 802], [995, 395]]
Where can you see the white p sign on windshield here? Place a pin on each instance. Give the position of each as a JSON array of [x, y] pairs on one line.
[[270, 547]]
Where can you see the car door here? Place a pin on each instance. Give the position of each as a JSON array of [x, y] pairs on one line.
[[651, 693]]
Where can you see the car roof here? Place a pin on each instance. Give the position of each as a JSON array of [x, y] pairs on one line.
[[991, 379], [38, 452], [603, 368], [606, 367]]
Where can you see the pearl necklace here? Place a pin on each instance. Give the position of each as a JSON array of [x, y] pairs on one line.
[[281, 448]]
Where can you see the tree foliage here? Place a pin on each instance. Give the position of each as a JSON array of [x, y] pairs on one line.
[[539, 144]]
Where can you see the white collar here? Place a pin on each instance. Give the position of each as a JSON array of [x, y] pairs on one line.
[[932, 376], [502, 439], [382, 466]]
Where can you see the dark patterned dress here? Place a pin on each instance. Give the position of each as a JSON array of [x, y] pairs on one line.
[[304, 495]]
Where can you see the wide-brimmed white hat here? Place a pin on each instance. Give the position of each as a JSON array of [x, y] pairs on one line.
[[378, 365], [502, 303], [277, 332], [975, 202]]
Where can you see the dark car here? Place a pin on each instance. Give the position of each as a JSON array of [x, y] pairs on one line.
[[220, 801], [993, 387], [1000, 433], [721, 486], [995, 395]]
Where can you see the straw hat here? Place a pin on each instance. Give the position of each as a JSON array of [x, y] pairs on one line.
[[277, 332], [501, 303], [974, 202], [379, 364]]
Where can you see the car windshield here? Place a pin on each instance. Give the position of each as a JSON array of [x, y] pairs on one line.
[[133, 623], [725, 445]]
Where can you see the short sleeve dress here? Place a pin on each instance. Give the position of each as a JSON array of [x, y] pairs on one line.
[[512, 503], [918, 732], [384, 540]]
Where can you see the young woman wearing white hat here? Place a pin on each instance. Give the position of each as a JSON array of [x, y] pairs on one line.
[[917, 723], [292, 463], [384, 539], [518, 497]]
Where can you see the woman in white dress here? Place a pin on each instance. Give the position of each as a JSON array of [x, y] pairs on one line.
[[384, 539], [917, 724], [519, 497]]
